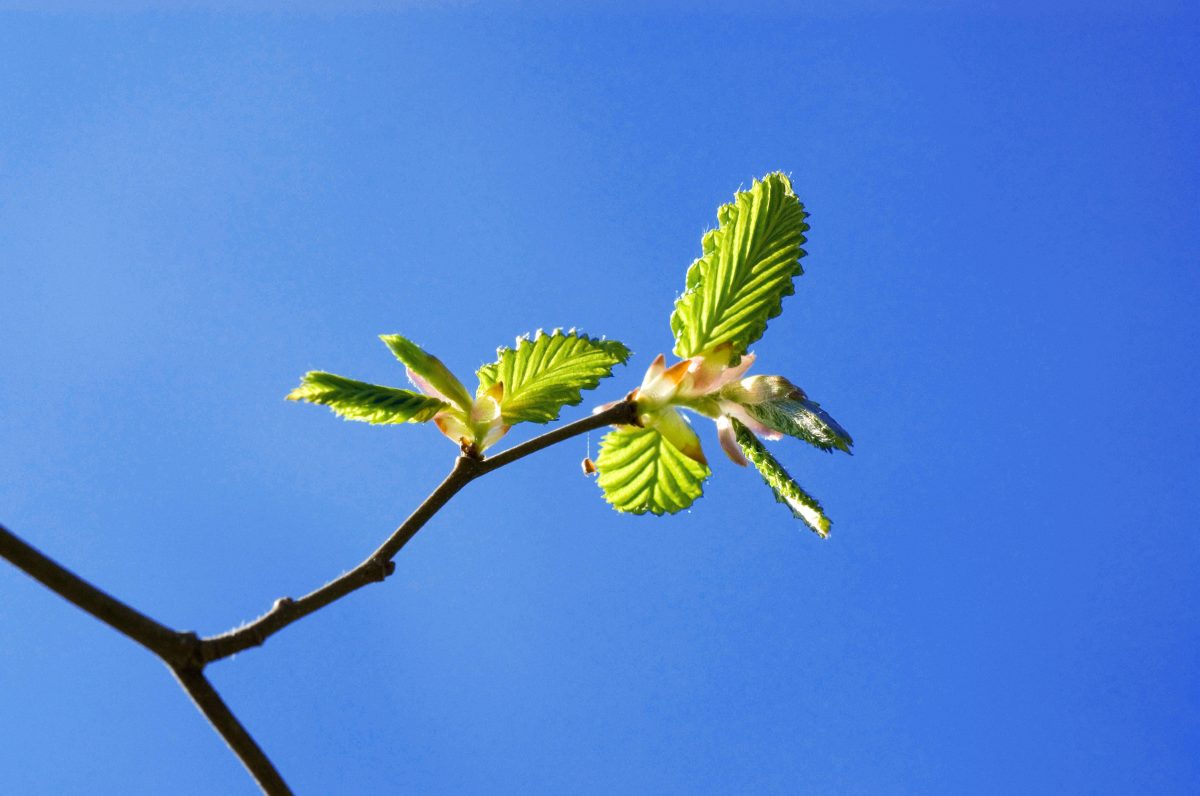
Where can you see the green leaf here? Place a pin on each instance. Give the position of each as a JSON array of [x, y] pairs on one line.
[[802, 419], [803, 505], [745, 270], [778, 404], [426, 367], [641, 471], [371, 403], [542, 375]]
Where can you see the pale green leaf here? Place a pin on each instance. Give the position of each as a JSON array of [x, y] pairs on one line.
[[371, 403], [803, 505], [746, 268], [641, 471], [543, 374], [424, 367]]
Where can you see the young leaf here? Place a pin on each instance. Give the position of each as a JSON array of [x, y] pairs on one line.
[[803, 505], [803, 419], [745, 270], [641, 471], [426, 367], [358, 400], [542, 375], [780, 405]]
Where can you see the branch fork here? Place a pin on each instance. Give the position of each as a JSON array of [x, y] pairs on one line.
[[187, 655]]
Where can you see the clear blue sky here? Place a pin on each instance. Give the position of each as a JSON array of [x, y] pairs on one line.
[[1001, 305]]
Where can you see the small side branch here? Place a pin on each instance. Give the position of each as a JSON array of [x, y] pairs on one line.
[[377, 566], [374, 569]]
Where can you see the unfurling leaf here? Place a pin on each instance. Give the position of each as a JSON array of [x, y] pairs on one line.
[[780, 405], [802, 419], [803, 505], [542, 375], [358, 400], [641, 471], [745, 270], [427, 371]]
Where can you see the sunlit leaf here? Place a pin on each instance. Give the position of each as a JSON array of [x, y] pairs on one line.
[[803, 419], [640, 471], [803, 505], [424, 367], [543, 374], [358, 400], [746, 268], [782, 406]]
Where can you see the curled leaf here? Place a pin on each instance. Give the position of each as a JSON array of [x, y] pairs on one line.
[[803, 505]]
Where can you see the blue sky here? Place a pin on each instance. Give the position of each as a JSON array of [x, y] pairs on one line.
[[1000, 304]]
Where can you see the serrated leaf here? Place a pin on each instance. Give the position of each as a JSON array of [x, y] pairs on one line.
[[542, 375], [782, 406], [370, 403], [803, 505], [802, 419], [641, 471], [423, 366], [746, 268]]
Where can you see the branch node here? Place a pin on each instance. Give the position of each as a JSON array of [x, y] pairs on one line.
[[377, 569], [469, 461], [631, 409], [185, 653]]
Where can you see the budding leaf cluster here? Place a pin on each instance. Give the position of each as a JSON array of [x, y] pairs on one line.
[[529, 383], [747, 265]]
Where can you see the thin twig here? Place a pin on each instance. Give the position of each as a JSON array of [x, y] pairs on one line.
[[622, 413], [377, 566], [373, 569]]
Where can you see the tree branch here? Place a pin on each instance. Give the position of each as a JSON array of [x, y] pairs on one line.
[[187, 655], [180, 650], [175, 648]]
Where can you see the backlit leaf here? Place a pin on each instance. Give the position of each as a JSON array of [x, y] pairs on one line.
[[640, 471], [423, 366], [543, 374], [746, 268], [358, 400]]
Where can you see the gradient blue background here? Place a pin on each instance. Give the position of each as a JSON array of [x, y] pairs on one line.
[[1001, 305]]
